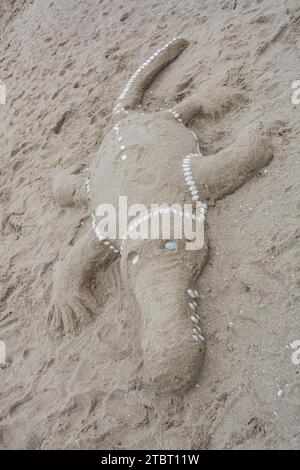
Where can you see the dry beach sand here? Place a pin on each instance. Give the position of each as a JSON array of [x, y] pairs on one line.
[[63, 64]]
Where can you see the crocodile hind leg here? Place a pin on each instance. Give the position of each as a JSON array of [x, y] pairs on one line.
[[68, 187], [72, 303], [209, 104]]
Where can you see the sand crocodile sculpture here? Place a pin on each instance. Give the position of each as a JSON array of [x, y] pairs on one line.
[[152, 158]]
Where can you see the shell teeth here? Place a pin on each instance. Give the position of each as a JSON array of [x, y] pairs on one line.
[[193, 293], [196, 294], [192, 306], [198, 329], [196, 334], [194, 319]]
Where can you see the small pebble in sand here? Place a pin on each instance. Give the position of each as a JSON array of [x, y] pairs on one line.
[[171, 245]]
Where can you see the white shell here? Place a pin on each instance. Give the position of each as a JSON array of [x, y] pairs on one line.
[[196, 334], [194, 319], [135, 259], [193, 293], [192, 306], [196, 294], [198, 329]]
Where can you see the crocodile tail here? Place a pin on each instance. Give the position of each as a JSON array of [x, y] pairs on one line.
[[132, 94]]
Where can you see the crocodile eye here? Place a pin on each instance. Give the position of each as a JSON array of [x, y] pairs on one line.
[[170, 245]]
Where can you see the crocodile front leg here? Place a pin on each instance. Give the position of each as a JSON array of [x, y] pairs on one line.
[[68, 187], [223, 173], [72, 303]]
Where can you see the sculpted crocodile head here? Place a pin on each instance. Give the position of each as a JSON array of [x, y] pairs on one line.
[[161, 275]]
